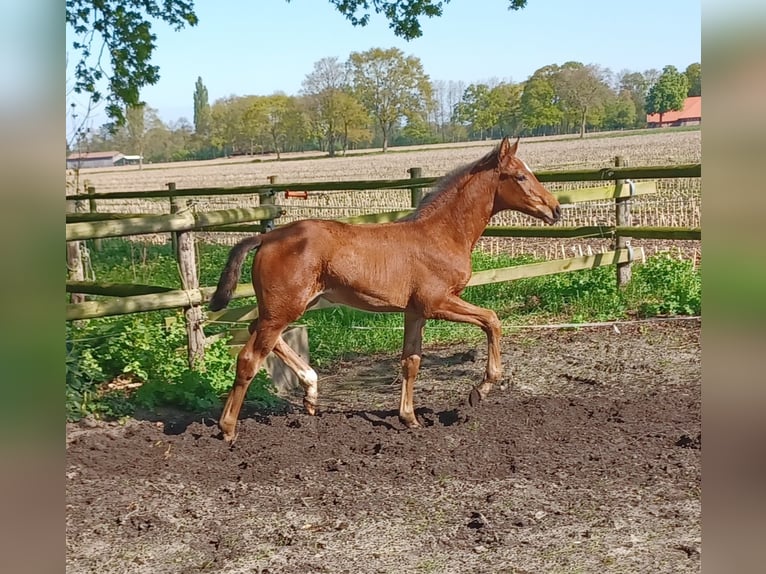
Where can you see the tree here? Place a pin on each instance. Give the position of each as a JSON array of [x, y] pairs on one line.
[[230, 131], [507, 98], [446, 96], [403, 16], [390, 86], [282, 118], [620, 111], [581, 90], [122, 29], [669, 93], [135, 123], [354, 120], [694, 76], [489, 109], [538, 105], [637, 85], [416, 131], [475, 109], [269, 123], [201, 110], [325, 89]]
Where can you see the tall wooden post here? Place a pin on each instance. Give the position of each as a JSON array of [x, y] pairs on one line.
[[267, 198], [93, 209], [622, 217], [75, 270], [173, 236], [416, 193], [187, 267]]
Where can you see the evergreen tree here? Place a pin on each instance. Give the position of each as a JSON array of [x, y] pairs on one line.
[[201, 110]]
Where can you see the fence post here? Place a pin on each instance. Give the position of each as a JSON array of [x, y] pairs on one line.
[[173, 236], [75, 269], [267, 198], [416, 193], [187, 267], [622, 218], [93, 209]]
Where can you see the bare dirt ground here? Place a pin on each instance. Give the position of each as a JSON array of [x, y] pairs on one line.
[[588, 460]]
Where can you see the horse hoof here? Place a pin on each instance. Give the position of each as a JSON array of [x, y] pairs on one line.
[[410, 423], [310, 407], [474, 398]]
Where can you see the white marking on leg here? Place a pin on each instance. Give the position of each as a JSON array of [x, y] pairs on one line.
[[310, 379]]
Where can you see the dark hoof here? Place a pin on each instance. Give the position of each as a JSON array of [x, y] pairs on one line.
[[474, 398]]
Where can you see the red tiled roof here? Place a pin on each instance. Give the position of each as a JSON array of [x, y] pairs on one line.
[[94, 155], [692, 109]]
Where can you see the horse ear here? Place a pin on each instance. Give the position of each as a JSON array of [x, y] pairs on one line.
[[506, 151], [515, 146]]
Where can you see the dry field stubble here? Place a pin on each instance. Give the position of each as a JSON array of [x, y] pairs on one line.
[[677, 203]]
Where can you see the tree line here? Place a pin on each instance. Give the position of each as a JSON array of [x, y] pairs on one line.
[[382, 97]]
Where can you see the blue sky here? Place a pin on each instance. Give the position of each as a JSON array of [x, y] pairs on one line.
[[244, 47]]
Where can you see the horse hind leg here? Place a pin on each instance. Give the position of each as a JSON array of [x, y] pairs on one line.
[[411, 352], [306, 375], [249, 361]]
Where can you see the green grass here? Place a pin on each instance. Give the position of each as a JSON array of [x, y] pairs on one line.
[[149, 347]]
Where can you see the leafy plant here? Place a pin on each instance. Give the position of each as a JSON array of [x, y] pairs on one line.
[[667, 285], [84, 395], [148, 349]]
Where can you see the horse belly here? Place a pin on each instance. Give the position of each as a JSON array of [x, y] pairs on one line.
[[375, 302]]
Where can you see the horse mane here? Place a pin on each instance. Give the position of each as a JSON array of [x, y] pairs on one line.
[[450, 183]]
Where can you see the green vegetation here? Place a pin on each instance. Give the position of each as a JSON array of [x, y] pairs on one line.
[[668, 93], [116, 364]]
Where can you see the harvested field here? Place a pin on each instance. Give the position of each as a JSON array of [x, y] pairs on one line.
[[678, 202], [644, 148], [589, 461]]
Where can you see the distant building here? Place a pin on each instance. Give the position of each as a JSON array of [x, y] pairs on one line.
[[130, 160], [96, 159], [689, 115]]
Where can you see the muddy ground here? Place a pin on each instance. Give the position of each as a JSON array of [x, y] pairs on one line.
[[588, 460]]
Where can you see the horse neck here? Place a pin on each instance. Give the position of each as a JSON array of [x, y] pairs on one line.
[[463, 211]]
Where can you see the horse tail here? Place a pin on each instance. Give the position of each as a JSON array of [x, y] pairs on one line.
[[230, 273]]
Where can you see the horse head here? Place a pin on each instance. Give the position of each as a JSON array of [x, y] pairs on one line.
[[519, 189]]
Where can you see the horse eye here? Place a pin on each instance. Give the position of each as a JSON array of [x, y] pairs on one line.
[[520, 177]]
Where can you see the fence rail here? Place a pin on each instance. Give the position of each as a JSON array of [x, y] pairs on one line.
[[605, 174], [162, 223]]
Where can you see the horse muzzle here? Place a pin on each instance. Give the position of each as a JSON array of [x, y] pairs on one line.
[[554, 216]]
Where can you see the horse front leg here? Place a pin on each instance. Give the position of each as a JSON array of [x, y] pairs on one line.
[[411, 352], [459, 311]]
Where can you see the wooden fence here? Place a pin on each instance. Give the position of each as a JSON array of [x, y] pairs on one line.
[[181, 222]]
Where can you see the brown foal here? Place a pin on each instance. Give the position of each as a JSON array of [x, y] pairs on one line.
[[418, 265]]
